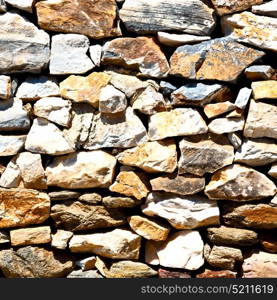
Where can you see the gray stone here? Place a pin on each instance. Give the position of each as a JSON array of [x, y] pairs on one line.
[[95, 52], [63, 195], [235, 139], [120, 202], [91, 198], [243, 98], [11, 144], [175, 40]]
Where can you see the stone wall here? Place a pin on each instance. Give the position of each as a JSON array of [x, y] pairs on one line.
[[138, 138]]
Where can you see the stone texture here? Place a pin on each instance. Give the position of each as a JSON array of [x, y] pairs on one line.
[[22, 207], [176, 40], [11, 177], [84, 89], [117, 244], [63, 195], [267, 9], [34, 262], [257, 152], [260, 216], [12, 116], [68, 55], [81, 170], [224, 7], [76, 216], [226, 125], [204, 154], [265, 89], [239, 183], [152, 157], [246, 27], [120, 202], [35, 88], [84, 274], [219, 59], [177, 122], [60, 239], [186, 184], [5, 87], [26, 5], [122, 130], [86, 263], [95, 52], [172, 274], [54, 109], [232, 236], [96, 19], [217, 109], [46, 138], [273, 171], [30, 236], [130, 183], [259, 72], [261, 120], [268, 242], [11, 144], [149, 228], [111, 100], [141, 54], [182, 212], [243, 98], [91, 198], [217, 274], [21, 39], [260, 265], [191, 16]]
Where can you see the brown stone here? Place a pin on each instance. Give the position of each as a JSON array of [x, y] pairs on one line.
[[95, 19], [162, 273], [269, 242], [117, 202], [216, 109], [30, 236], [217, 274], [22, 207]]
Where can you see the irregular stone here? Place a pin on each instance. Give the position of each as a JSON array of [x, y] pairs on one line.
[[95, 52], [257, 152], [191, 16], [120, 202], [273, 171], [30, 236], [123, 130], [239, 183], [92, 198], [60, 239], [11, 144], [5, 87], [34, 262], [12, 116], [11, 177], [84, 274], [86, 263], [35, 88], [268, 242], [152, 157], [224, 7], [224, 257], [261, 120], [54, 109], [178, 184], [46, 138], [258, 31], [125, 269], [219, 59], [268, 9], [76, 216], [259, 72], [182, 212], [26, 5], [237, 113], [151, 256], [260, 216], [197, 94], [232, 236], [177, 122], [225, 125], [204, 154], [81, 170], [31, 170], [260, 265], [217, 109], [141, 54], [172, 274], [111, 100], [96, 20], [217, 274], [68, 54], [176, 40], [84, 89], [63, 195], [264, 89], [243, 98], [130, 183], [148, 228], [4, 237], [167, 88], [22, 207], [21, 39], [116, 244]]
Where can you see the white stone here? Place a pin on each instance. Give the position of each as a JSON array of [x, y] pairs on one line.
[[11, 177], [11, 144], [60, 239], [225, 125], [26, 5], [111, 100], [273, 171], [243, 98], [235, 139], [267, 9], [5, 87], [175, 40], [95, 52]]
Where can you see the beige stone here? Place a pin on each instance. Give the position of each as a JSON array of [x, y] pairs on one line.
[[31, 236], [60, 239], [265, 89]]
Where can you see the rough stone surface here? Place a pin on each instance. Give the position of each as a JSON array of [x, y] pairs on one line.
[[60, 239], [265, 89], [226, 125], [175, 40], [86, 263], [172, 274], [84, 274], [11, 144], [5, 87], [259, 72], [63, 195], [95, 52], [243, 98], [91, 198], [30, 236], [267, 9], [217, 274], [120, 202], [11, 177], [26, 5], [224, 7], [217, 109], [268, 242]]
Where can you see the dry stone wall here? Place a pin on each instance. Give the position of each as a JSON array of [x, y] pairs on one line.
[[138, 138]]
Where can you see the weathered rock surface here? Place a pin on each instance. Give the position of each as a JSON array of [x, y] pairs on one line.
[[84, 274], [224, 7], [76, 216], [22, 207], [142, 54], [11, 177], [11, 144], [267, 9], [217, 274], [226, 125], [120, 202], [81, 170], [259, 72], [24, 48], [243, 98], [265, 89], [63, 195], [182, 212], [95, 52], [239, 183], [172, 274], [86, 263], [235, 139], [60, 239], [30, 236], [152, 157], [217, 109], [96, 20], [5, 87], [34, 262], [68, 55], [26, 5], [268, 242], [117, 244], [111, 100], [91, 198], [176, 40]]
